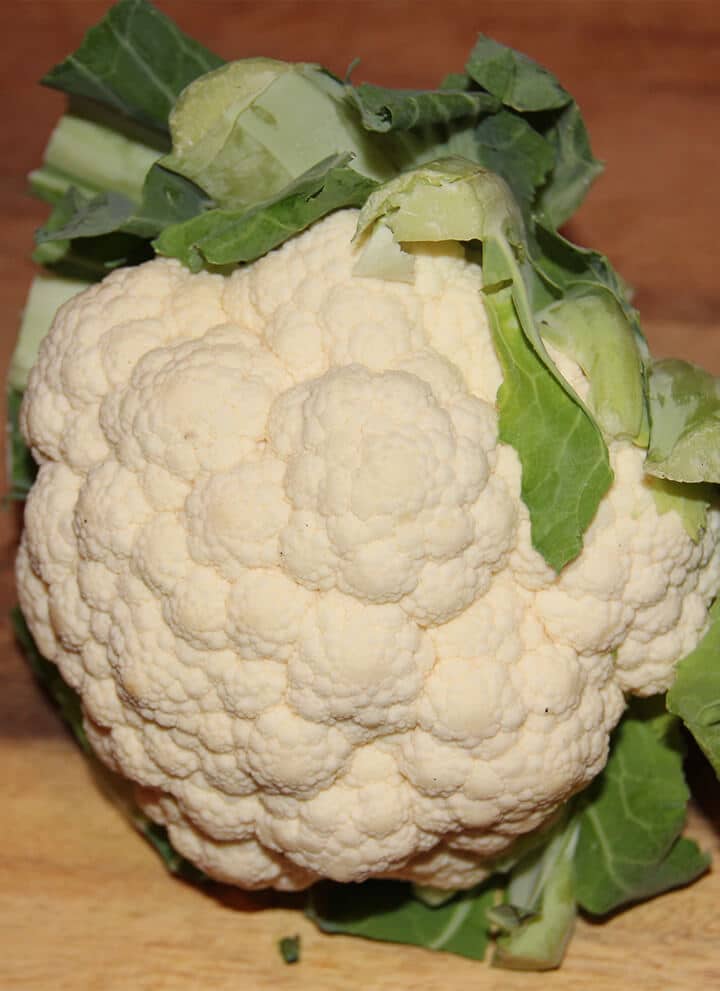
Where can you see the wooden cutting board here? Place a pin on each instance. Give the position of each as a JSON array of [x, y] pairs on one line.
[[84, 903]]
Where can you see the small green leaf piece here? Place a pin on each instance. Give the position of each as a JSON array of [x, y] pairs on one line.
[[21, 467], [565, 266], [165, 199], [689, 501], [576, 168], [50, 250], [695, 693], [157, 837], [289, 948], [60, 693], [96, 215], [514, 78], [509, 146], [589, 325], [88, 259], [685, 418]]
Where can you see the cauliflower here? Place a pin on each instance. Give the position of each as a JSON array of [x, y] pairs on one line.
[[277, 548]]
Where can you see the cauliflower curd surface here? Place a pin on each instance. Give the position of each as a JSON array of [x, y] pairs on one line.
[[276, 547]]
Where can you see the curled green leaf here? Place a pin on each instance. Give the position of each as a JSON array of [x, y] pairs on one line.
[[384, 109]]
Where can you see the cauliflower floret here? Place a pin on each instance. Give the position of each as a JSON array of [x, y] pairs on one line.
[[383, 481], [278, 549]]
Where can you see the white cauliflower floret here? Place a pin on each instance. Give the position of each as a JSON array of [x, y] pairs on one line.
[[382, 480], [277, 548]]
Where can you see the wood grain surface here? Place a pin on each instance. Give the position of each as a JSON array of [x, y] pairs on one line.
[[84, 904]]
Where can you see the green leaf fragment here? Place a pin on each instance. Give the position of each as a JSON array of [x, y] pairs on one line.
[[96, 215], [514, 78], [157, 837], [136, 61], [226, 237], [685, 417], [684, 863], [695, 693], [165, 199], [566, 266], [88, 259], [21, 467], [60, 693], [629, 847], [590, 326], [690, 502], [387, 910], [289, 948], [50, 250], [575, 168], [509, 146], [456, 80]]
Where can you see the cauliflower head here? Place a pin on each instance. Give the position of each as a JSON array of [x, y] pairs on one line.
[[277, 548]]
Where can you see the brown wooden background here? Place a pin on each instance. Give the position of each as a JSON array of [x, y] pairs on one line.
[[84, 905]]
